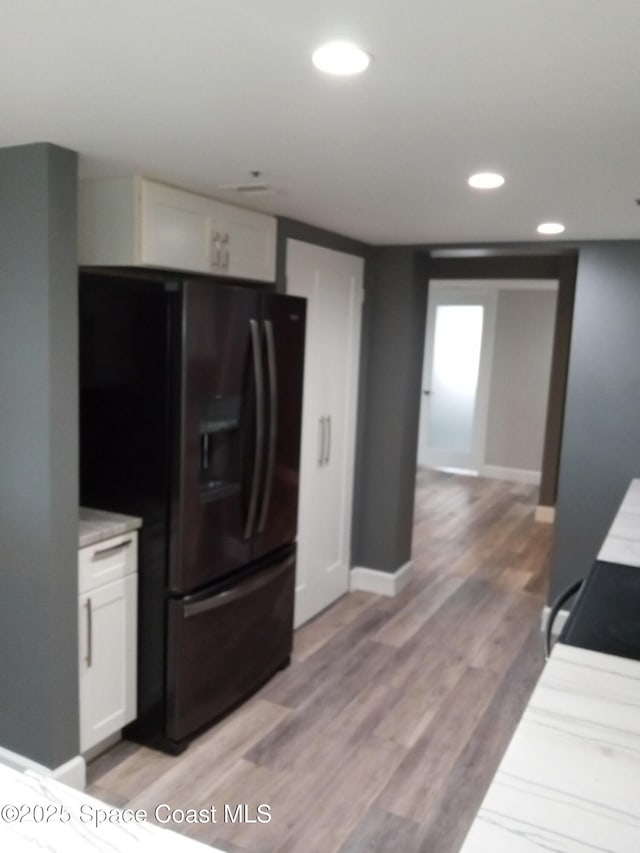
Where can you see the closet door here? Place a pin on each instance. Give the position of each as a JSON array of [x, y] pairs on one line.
[[332, 282]]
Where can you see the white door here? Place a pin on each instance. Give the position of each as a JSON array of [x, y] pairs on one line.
[[456, 378], [332, 282]]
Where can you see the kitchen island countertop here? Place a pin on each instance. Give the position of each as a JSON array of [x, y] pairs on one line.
[[622, 544], [570, 779]]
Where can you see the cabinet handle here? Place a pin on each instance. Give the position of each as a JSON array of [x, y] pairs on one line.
[[224, 239], [328, 440], [215, 246], [89, 655], [321, 442], [101, 553]]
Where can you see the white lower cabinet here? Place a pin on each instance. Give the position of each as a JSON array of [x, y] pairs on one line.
[[107, 620]]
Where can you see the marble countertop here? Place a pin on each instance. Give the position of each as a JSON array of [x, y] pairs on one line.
[[95, 525], [570, 779], [622, 544], [38, 813]]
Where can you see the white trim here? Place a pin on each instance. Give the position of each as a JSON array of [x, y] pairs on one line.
[[464, 472], [72, 773], [103, 746], [382, 583], [516, 475], [497, 283], [546, 514], [558, 623]]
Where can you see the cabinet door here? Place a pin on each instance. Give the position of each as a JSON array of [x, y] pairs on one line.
[[107, 625], [247, 243], [332, 283], [176, 229]]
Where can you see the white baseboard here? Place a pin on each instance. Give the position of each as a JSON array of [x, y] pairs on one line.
[[558, 623], [546, 514], [103, 746], [382, 583], [72, 772], [516, 475]]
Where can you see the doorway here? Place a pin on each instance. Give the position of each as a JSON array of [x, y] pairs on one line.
[[486, 376]]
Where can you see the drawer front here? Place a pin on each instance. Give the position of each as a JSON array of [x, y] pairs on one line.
[[107, 561]]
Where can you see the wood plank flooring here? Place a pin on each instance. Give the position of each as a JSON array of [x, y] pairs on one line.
[[386, 729]]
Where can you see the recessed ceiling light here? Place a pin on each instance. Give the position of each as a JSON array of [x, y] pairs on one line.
[[340, 57], [486, 181], [550, 228]]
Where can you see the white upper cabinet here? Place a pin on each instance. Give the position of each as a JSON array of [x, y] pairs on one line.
[[246, 241], [176, 229], [137, 222]]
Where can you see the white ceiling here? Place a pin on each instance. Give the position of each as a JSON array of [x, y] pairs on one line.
[[200, 92]]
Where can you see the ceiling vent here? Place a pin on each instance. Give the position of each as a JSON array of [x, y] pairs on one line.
[[248, 189]]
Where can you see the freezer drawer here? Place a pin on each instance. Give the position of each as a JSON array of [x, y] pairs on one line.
[[222, 647]]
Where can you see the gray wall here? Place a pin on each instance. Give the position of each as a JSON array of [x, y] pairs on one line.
[[525, 323], [395, 308], [38, 453], [601, 437]]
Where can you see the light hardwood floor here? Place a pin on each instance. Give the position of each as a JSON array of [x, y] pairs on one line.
[[386, 729]]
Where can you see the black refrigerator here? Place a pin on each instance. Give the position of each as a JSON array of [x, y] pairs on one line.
[[190, 417]]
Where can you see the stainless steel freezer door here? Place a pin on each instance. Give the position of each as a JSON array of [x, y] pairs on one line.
[[223, 647]]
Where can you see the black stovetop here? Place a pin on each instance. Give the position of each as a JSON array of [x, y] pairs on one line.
[[606, 614]]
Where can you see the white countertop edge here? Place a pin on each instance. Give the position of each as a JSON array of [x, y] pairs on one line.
[[96, 525], [57, 818], [568, 780], [622, 543]]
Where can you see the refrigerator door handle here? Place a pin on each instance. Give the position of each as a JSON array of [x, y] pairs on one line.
[[204, 452], [273, 422], [328, 439], [240, 591], [257, 461]]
